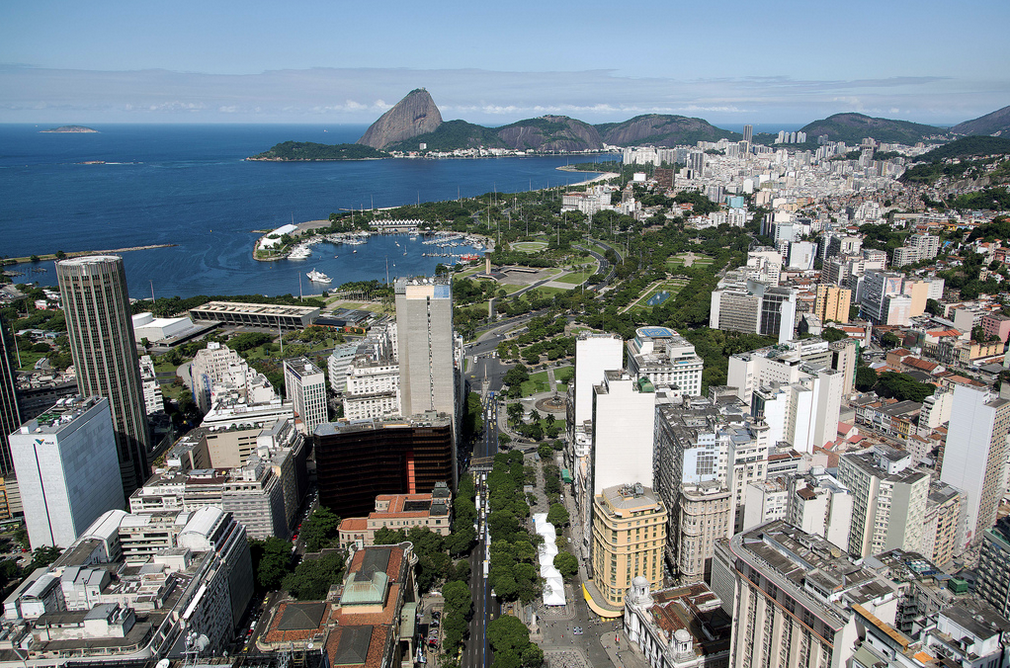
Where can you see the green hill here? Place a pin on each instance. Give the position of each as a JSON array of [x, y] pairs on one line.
[[968, 146], [306, 150], [662, 130], [450, 136], [997, 122], [852, 128]]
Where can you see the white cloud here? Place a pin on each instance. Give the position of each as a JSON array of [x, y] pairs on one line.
[[480, 96]]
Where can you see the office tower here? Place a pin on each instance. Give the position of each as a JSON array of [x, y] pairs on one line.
[[154, 400], [425, 342], [882, 300], [357, 461], [748, 133], [305, 385], [623, 417], [100, 329], [67, 469], [629, 531], [792, 596], [595, 354], [974, 455], [889, 500], [845, 360], [832, 304], [741, 304], [994, 565], [940, 524], [10, 414], [666, 358]]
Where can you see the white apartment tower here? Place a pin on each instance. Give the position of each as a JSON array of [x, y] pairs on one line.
[[889, 500], [67, 469], [974, 456], [305, 386]]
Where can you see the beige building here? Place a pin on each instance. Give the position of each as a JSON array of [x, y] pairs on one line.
[[889, 500], [792, 595], [832, 303], [400, 512], [629, 534], [704, 514], [940, 524]]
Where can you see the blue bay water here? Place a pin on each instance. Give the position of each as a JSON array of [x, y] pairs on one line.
[[189, 185]]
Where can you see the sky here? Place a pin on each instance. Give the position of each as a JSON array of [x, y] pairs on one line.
[[730, 62]]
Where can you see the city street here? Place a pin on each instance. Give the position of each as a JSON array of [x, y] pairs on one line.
[[476, 654]]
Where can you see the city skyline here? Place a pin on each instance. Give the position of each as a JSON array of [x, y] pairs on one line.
[[726, 62]]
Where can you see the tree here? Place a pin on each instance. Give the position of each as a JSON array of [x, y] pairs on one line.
[[321, 530], [558, 515], [313, 578], [902, 387], [43, 556], [830, 334], [866, 378], [890, 340], [567, 564], [545, 451], [457, 596], [461, 540], [516, 376], [271, 559]]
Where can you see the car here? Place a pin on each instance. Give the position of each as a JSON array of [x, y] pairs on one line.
[[436, 614], [577, 630]]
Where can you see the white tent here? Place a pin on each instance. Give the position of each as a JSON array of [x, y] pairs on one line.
[[554, 587]]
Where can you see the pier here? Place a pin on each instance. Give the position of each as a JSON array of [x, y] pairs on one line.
[[52, 256]]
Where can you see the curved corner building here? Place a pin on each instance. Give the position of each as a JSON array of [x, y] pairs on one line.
[[100, 329]]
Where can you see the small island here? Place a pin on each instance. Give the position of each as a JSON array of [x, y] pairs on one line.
[[290, 151], [70, 129]]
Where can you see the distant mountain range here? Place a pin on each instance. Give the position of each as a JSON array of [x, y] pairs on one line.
[[415, 121]]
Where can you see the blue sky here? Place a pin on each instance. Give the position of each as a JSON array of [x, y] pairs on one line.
[[777, 61]]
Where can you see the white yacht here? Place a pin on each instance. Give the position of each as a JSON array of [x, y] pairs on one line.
[[318, 277]]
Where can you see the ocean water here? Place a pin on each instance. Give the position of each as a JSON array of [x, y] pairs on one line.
[[189, 185]]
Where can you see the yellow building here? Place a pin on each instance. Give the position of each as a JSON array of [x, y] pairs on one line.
[[629, 535], [832, 303]]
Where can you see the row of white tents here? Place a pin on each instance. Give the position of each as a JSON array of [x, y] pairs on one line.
[[554, 587]]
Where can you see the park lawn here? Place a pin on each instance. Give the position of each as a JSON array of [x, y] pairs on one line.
[[577, 278], [529, 246], [672, 286], [536, 383], [173, 391], [28, 359], [564, 374], [163, 366], [546, 291]]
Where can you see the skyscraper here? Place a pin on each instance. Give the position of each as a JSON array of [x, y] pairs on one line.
[[974, 456], [425, 342], [66, 465], [748, 133], [10, 416], [305, 386], [100, 329]]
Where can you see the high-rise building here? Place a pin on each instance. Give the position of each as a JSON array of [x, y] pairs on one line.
[[68, 470], [357, 461], [305, 385], [10, 414], [994, 565], [882, 300], [748, 133], [744, 305], [792, 596], [624, 412], [595, 354], [889, 500], [100, 328], [338, 364], [832, 303], [666, 358], [428, 372], [974, 455], [794, 390], [845, 360], [629, 531]]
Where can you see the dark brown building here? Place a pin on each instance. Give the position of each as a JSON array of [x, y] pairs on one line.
[[358, 460]]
